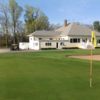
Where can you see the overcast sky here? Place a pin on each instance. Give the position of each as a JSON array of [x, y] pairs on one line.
[[84, 11]]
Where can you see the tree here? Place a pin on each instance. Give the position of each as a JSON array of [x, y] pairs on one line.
[[20, 31], [54, 26], [35, 19], [15, 11], [31, 14], [42, 23], [96, 25], [4, 20]]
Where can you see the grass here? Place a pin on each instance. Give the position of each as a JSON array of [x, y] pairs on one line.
[[48, 75]]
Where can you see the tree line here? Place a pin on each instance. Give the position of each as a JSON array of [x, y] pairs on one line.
[[12, 26], [96, 25]]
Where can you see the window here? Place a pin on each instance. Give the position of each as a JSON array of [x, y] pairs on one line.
[[48, 44], [31, 38], [84, 40], [75, 40], [62, 39], [98, 41], [78, 40], [40, 38], [62, 43], [71, 40]]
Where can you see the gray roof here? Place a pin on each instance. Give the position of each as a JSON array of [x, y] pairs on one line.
[[45, 33], [62, 29], [75, 29]]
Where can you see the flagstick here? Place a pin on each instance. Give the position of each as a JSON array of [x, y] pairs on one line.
[[91, 70]]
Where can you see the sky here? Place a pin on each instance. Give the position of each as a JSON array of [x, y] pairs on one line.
[[83, 11]]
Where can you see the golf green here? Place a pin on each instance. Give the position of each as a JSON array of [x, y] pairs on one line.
[[48, 75]]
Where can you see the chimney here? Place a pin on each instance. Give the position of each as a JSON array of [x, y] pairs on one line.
[[65, 23]]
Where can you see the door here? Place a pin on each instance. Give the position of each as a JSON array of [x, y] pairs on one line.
[[56, 45]]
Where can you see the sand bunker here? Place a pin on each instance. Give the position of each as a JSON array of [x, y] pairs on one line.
[[87, 57]]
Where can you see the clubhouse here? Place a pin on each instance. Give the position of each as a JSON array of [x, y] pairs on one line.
[[73, 35]]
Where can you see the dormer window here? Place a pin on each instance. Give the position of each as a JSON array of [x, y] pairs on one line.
[[51, 39], [40, 38]]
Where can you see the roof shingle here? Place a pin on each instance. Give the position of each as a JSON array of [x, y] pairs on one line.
[[75, 29]]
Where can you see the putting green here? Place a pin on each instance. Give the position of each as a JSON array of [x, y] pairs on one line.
[[48, 75]]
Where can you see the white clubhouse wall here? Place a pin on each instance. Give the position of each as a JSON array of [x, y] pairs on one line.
[[33, 44]]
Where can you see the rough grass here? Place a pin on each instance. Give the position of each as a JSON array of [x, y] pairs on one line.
[[48, 75]]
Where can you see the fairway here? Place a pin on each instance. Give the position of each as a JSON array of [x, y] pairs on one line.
[[48, 75]]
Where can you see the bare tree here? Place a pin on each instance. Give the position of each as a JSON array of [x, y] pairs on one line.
[[15, 12], [4, 20]]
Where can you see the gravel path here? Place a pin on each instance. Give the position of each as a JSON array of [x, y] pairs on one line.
[[9, 51], [4, 50]]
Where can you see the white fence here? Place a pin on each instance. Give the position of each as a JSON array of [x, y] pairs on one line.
[[23, 45]]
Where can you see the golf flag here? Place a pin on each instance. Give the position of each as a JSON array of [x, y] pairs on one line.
[[94, 43], [93, 39]]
